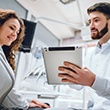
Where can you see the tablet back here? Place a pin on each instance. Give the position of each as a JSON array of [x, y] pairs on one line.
[[55, 56]]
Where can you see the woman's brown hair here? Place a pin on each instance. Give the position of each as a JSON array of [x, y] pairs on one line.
[[4, 16]]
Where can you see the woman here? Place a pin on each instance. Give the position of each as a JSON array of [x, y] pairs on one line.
[[11, 34]]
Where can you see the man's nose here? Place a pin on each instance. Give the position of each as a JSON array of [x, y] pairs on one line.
[[91, 25]]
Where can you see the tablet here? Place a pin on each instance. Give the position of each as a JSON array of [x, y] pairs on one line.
[[55, 56]]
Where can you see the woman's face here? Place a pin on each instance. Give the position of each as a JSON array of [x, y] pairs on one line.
[[9, 31]]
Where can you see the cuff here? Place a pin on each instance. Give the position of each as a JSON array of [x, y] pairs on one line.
[[99, 84]]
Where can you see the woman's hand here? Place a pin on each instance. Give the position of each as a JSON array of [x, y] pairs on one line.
[[35, 103], [74, 74]]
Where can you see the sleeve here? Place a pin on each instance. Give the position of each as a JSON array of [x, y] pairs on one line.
[[102, 87], [76, 86], [15, 100], [6, 78]]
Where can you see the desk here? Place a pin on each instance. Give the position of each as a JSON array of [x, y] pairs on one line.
[[43, 95]]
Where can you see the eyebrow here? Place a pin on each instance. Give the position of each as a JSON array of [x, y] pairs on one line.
[[93, 18]]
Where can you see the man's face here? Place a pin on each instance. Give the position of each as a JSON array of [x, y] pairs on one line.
[[98, 25]]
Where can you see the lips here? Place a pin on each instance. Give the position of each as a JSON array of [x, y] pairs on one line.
[[10, 38], [93, 30]]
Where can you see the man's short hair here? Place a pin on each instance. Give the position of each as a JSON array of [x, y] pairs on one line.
[[101, 7]]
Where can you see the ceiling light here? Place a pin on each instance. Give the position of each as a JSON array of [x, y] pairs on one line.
[[66, 1]]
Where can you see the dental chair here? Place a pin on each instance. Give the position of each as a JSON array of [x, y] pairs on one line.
[[6, 78]]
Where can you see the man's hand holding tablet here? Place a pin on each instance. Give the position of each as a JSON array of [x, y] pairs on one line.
[[72, 73]]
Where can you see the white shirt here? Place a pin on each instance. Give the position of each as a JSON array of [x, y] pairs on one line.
[[14, 99], [99, 63]]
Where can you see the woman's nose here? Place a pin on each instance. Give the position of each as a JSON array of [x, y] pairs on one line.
[[14, 34]]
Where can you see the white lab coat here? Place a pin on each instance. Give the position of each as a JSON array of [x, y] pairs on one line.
[[14, 99], [99, 63]]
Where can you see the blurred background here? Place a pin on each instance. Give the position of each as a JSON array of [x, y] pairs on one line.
[[50, 23]]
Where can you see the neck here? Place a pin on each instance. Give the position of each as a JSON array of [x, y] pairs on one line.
[[105, 38]]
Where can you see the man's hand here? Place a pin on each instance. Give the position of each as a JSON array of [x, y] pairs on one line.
[[76, 75], [35, 103]]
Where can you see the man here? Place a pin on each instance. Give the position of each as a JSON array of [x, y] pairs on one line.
[[97, 73]]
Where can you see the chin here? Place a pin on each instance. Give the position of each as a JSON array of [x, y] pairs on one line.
[[93, 36], [8, 44]]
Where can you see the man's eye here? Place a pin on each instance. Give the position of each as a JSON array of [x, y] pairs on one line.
[[88, 22], [96, 20]]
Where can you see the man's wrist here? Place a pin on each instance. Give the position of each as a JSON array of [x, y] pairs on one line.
[[92, 80]]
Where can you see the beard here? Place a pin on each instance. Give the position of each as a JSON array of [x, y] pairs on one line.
[[97, 34]]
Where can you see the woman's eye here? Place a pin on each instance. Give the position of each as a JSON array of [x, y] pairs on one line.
[[11, 28]]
